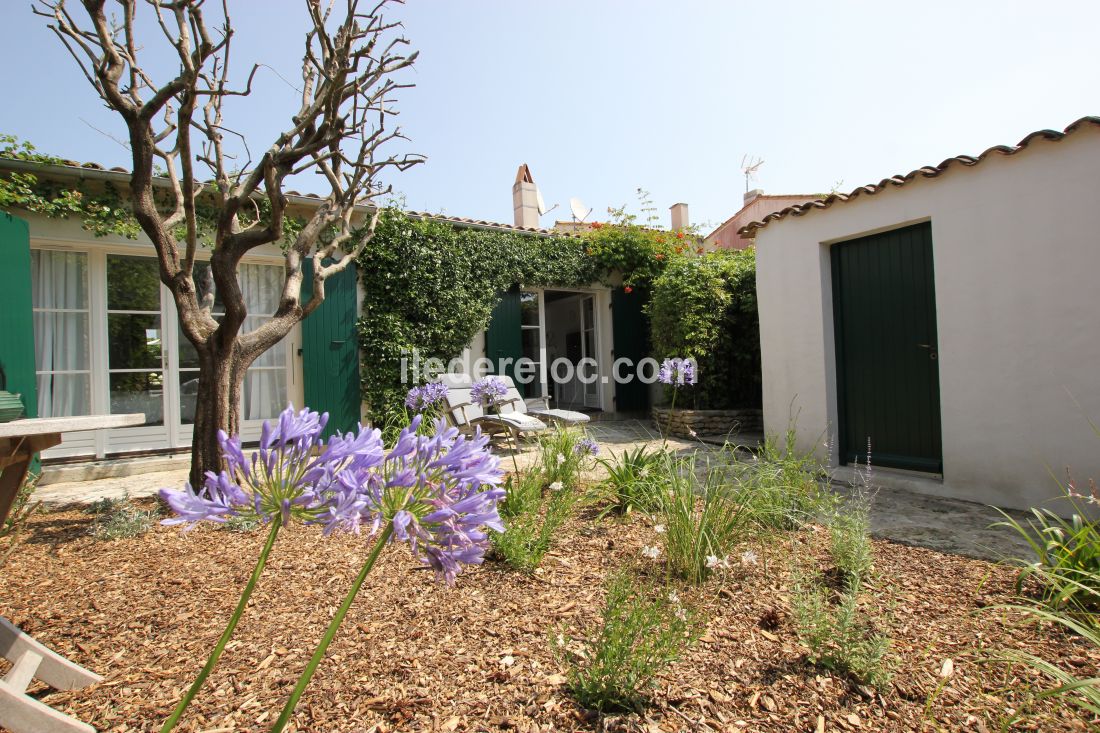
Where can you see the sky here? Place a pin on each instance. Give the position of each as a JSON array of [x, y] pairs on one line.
[[601, 98]]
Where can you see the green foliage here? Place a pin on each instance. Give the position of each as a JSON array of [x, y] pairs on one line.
[[780, 487], [559, 460], [643, 630], [240, 523], [703, 517], [705, 308], [119, 519], [532, 518], [431, 286], [1066, 564], [1084, 692], [633, 481], [839, 636], [850, 539]]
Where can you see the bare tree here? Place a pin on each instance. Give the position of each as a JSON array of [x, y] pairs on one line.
[[338, 130]]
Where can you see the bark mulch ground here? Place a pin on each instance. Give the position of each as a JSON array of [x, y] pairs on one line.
[[416, 655]]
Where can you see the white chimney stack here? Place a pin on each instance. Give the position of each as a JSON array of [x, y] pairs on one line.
[[679, 216], [525, 199], [751, 196]]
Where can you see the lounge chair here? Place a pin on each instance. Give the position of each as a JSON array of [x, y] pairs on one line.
[[530, 405], [466, 415]]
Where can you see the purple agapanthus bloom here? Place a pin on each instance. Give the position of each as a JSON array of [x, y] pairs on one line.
[[429, 395], [487, 391], [439, 492], [586, 447], [678, 372]]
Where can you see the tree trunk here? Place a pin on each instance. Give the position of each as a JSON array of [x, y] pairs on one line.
[[217, 407]]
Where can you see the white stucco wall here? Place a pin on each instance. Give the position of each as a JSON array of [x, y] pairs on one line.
[[1016, 248]]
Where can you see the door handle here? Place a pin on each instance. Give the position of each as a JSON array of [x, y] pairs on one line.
[[934, 354], [338, 343]]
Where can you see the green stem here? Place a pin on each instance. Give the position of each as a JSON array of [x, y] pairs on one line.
[[169, 724], [671, 414], [330, 632]]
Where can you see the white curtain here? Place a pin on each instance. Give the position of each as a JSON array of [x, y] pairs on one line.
[[59, 285], [264, 389]]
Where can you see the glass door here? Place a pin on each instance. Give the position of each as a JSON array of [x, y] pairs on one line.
[[531, 333], [589, 349]]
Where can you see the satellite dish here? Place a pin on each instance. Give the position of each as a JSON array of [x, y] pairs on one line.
[[579, 212], [541, 203]]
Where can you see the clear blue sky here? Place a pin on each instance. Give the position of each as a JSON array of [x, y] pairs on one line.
[[600, 98]]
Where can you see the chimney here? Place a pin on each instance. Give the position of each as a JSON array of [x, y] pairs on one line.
[[750, 196], [679, 216], [525, 199]]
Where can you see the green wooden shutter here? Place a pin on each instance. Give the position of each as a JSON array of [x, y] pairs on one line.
[[630, 340], [884, 310], [330, 351], [503, 339], [16, 318]]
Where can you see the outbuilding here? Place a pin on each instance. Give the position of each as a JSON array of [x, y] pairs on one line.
[[946, 320]]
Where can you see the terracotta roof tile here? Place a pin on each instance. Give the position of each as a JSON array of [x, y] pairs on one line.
[[930, 171]]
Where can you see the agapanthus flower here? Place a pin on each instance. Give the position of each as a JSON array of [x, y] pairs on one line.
[[291, 475], [423, 397], [488, 391], [678, 372], [586, 447]]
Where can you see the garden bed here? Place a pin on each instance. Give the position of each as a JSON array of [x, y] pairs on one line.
[[416, 655], [685, 423]]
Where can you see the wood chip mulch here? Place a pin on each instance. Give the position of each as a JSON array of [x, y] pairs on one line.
[[416, 655]]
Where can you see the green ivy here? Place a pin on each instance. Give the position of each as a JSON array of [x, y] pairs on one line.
[[431, 286], [705, 307]]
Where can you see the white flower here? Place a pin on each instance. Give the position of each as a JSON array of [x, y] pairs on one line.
[[651, 552], [673, 597], [659, 528], [557, 486], [681, 613], [714, 562], [692, 433], [748, 557], [561, 458]]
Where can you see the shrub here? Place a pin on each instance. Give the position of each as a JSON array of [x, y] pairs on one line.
[[632, 481], [850, 539], [780, 487], [1066, 565], [643, 630], [532, 520], [705, 308], [564, 453], [120, 518], [703, 520], [839, 637]]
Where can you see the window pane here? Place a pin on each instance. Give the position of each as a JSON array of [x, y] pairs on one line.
[[264, 394], [63, 395], [133, 341], [261, 286], [59, 279], [529, 308], [204, 284], [60, 341], [189, 389], [530, 338], [133, 284], [138, 392]]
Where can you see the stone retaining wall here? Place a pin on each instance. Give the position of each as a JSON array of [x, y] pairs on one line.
[[709, 422]]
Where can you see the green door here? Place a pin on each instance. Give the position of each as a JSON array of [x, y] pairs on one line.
[[330, 351], [884, 311], [503, 337], [630, 340], [16, 319]]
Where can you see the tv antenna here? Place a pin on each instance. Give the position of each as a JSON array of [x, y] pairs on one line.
[[749, 166], [579, 212]]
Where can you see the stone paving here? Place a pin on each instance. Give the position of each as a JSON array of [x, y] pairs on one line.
[[947, 525]]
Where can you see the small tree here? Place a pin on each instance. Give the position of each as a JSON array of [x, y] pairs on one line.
[[175, 123]]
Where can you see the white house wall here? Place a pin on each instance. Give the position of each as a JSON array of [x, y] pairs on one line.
[[1016, 248]]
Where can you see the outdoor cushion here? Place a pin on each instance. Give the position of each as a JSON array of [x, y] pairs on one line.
[[566, 416]]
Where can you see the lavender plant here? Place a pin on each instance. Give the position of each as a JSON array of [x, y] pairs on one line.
[[436, 492]]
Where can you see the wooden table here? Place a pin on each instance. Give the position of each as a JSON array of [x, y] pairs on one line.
[[19, 441]]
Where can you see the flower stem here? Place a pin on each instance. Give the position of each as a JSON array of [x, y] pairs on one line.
[[330, 632], [671, 414], [276, 523]]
